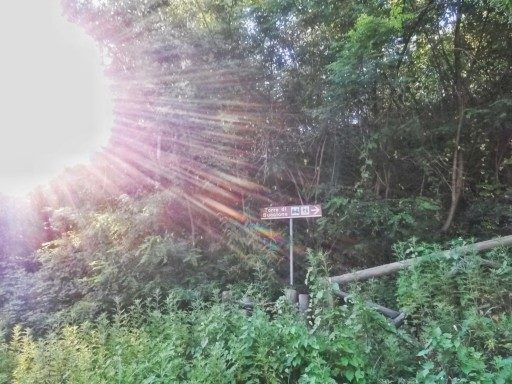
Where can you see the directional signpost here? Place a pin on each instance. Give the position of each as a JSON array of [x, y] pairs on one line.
[[291, 212]]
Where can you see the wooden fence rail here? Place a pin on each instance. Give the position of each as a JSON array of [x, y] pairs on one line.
[[397, 318], [387, 269], [301, 302]]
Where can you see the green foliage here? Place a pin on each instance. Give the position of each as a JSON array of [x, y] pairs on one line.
[[249, 257], [121, 253], [448, 356], [212, 343], [6, 363], [459, 330], [459, 307], [386, 221], [490, 216], [362, 55], [396, 218], [505, 6], [112, 254]]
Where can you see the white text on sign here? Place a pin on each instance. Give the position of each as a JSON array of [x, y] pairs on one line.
[[291, 211]]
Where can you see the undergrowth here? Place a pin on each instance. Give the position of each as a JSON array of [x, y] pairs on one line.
[[458, 330]]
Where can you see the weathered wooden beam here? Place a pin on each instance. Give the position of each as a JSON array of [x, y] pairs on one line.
[[397, 318], [390, 313], [387, 269]]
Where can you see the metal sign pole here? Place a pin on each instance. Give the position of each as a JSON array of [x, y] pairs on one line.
[[291, 212], [291, 252]]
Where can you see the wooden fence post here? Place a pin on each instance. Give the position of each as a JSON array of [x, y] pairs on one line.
[[303, 303], [291, 295]]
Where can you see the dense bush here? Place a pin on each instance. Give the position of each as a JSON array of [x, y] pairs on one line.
[[460, 310], [458, 331], [216, 343], [361, 231], [125, 251]]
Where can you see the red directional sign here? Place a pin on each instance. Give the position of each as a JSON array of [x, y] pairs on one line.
[[291, 212]]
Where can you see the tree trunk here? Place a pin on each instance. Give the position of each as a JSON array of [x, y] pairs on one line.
[[457, 180], [457, 187]]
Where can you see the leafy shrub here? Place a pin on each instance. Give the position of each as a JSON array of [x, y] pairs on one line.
[[374, 225], [214, 342], [124, 252], [459, 307], [459, 331]]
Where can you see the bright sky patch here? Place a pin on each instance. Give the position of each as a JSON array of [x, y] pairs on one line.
[[55, 104]]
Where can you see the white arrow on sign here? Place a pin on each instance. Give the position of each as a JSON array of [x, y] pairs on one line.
[[315, 210]]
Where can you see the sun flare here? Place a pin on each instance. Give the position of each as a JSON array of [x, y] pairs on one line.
[[56, 106]]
